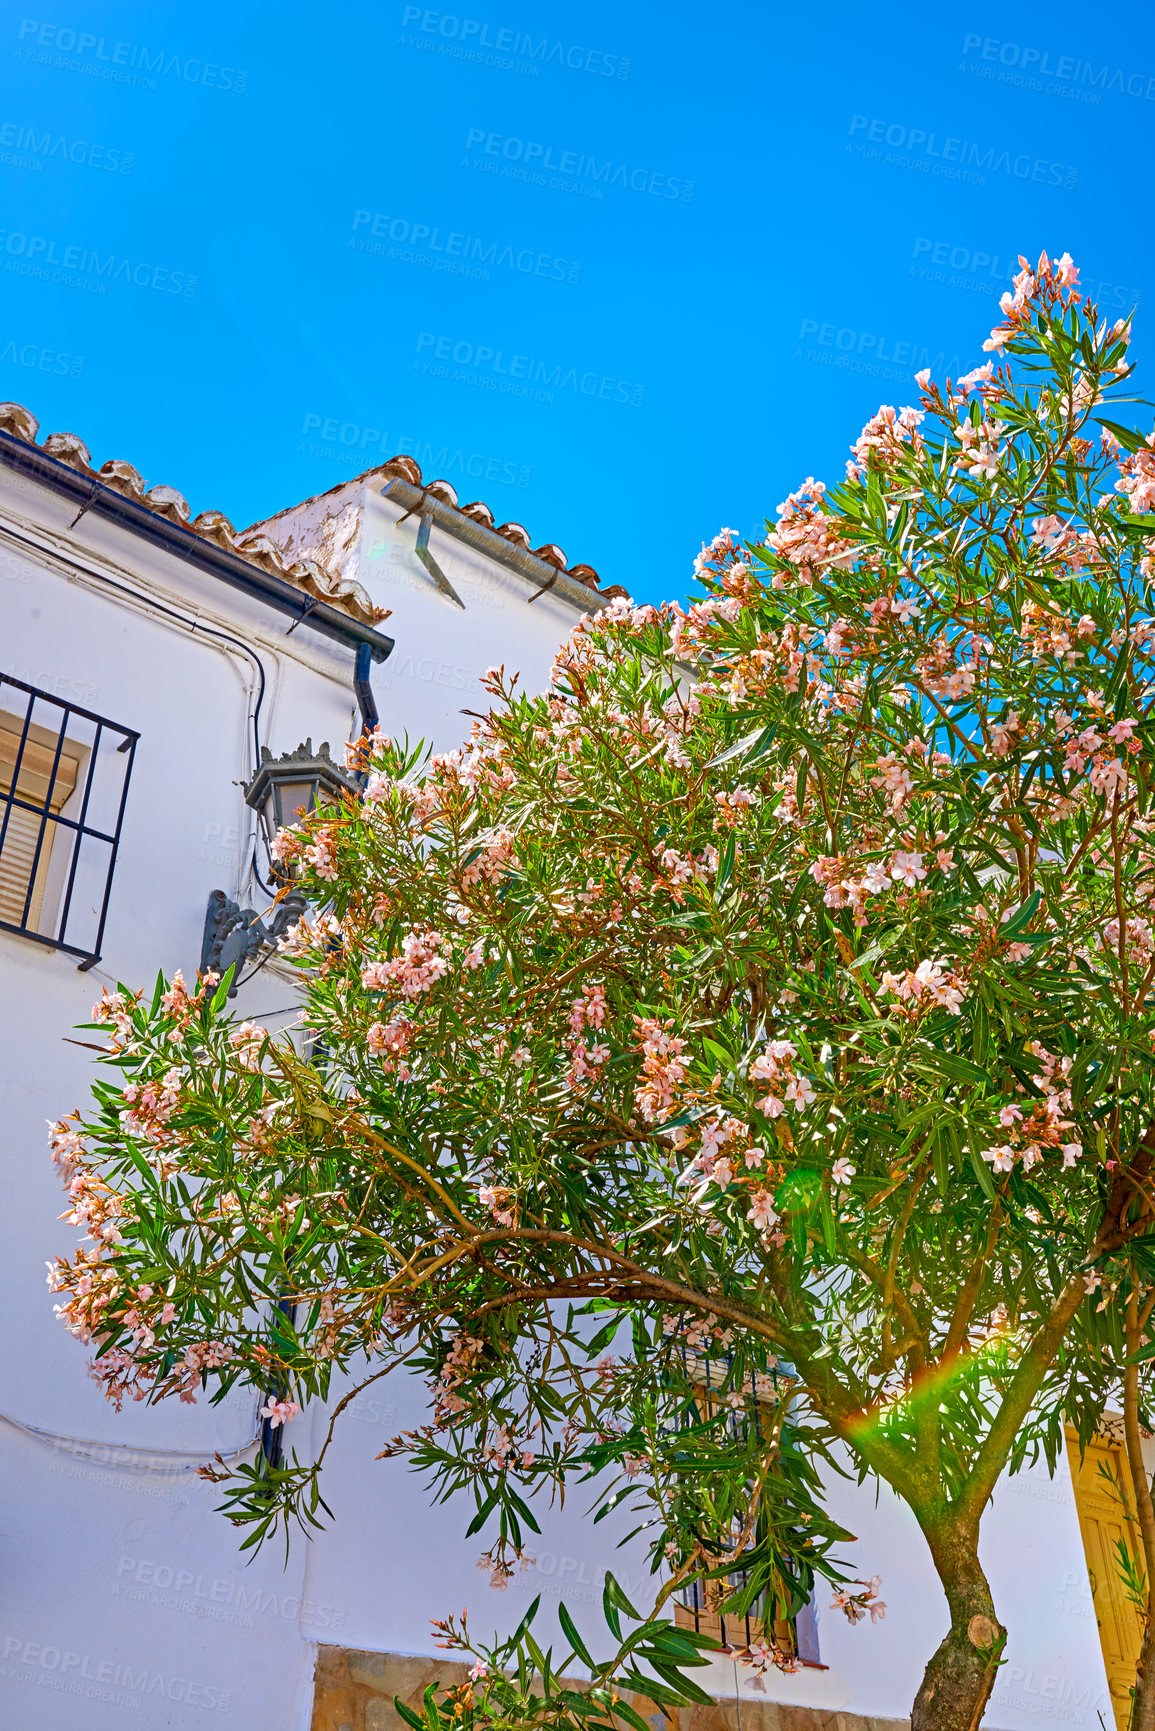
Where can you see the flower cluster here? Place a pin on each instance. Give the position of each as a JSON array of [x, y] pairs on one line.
[[931, 984], [854, 1606], [1035, 1126], [885, 440], [775, 1066], [415, 971], [663, 1069], [806, 536]]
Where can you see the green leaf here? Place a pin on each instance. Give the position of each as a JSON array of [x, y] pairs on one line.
[[574, 1638], [958, 1068], [753, 743], [980, 1031], [526, 1621], [481, 1516], [981, 1170], [1127, 437], [719, 1054], [1023, 917], [623, 1710], [619, 1598]]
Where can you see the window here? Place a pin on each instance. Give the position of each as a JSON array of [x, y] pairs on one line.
[[696, 1606], [63, 786]]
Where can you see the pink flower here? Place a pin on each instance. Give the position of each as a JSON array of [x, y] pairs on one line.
[[978, 377], [842, 1171], [762, 1211], [1066, 271], [1049, 533], [907, 869], [279, 1411], [1001, 734]]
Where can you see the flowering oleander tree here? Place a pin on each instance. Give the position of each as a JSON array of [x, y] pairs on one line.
[[763, 1010]]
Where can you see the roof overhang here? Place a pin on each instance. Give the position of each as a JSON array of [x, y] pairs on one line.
[[95, 497], [420, 502]]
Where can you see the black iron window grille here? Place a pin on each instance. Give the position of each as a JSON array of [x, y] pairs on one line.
[[64, 775], [696, 1604]]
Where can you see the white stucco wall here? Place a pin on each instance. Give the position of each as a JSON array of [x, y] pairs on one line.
[[123, 1600]]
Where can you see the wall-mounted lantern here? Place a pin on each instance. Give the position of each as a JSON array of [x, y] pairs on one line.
[[283, 790], [289, 787]]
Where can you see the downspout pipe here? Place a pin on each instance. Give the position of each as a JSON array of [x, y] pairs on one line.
[[363, 690], [102, 501]]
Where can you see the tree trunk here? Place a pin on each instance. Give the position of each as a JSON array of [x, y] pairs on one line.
[[957, 1682], [1143, 1709]]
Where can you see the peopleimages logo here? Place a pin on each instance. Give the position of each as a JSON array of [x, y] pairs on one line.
[[461, 254], [84, 1674], [522, 375], [176, 1589], [985, 273], [868, 352], [363, 444], [540, 158], [42, 360], [124, 59], [470, 33], [31, 254], [1037, 61], [51, 145], [956, 157]]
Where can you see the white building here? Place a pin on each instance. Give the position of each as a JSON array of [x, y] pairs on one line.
[[144, 659]]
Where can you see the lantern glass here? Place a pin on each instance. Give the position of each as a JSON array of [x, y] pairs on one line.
[[293, 800]]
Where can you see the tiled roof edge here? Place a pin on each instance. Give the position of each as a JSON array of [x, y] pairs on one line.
[[306, 575], [407, 470], [95, 492]]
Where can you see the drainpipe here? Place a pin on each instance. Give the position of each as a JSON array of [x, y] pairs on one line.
[[419, 502]]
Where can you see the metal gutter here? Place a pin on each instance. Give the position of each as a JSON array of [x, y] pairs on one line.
[[543, 576], [93, 495]]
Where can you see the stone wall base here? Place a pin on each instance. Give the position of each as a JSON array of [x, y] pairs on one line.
[[354, 1692]]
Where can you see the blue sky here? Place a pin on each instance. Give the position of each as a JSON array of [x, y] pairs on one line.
[[625, 272]]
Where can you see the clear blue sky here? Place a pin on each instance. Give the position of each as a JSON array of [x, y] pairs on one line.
[[718, 237]]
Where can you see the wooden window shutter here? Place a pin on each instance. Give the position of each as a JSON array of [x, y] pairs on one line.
[[36, 786]]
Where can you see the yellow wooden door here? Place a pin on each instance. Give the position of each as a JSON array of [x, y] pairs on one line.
[[1103, 1522]]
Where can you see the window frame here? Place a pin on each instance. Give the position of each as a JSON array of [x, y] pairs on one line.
[[53, 821], [695, 1604]]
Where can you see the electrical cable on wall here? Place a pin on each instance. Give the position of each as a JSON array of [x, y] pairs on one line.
[[195, 1458]]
